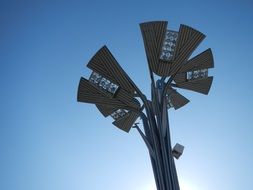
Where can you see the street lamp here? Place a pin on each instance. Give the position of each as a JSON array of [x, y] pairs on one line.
[[115, 94]]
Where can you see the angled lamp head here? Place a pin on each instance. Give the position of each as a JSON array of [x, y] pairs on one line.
[[193, 75], [175, 99], [110, 89], [168, 50]]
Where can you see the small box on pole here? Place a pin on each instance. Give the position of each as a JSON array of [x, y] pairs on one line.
[[178, 150]]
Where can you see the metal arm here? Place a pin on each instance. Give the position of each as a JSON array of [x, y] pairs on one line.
[[151, 151]]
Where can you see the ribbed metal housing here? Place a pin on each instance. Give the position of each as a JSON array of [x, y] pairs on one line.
[[188, 41], [197, 85], [202, 61], [106, 110], [127, 121], [180, 77], [105, 64], [89, 93], [153, 34], [176, 98]]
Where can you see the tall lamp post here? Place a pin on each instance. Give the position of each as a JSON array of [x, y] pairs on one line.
[[115, 94]]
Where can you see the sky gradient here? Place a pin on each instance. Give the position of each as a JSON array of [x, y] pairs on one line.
[[48, 141]]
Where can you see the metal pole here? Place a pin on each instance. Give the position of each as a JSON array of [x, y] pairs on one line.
[[157, 138]]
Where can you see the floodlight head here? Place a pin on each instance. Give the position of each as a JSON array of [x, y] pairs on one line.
[[193, 75], [123, 119], [200, 85], [110, 89], [178, 150], [175, 99], [126, 121], [91, 93], [168, 50], [104, 63]]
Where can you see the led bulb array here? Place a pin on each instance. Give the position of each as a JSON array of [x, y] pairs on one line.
[[103, 83]]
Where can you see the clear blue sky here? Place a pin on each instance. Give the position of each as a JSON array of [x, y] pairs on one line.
[[48, 141]]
